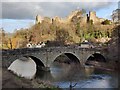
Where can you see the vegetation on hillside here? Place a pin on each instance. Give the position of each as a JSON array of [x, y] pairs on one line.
[[106, 22], [115, 41], [67, 33]]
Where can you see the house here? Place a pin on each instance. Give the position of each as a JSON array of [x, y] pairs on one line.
[[116, 15], [39, 45], [86, 44], [29, 45]]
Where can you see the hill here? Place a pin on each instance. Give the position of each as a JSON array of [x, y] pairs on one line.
[[73, 29]]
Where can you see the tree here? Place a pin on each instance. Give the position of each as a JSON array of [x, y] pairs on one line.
[[106, 22], [62, 36], [21, 38], [90, 30], [2, 34], [6, 41], [78, 29], [2, 37], [91, 21]]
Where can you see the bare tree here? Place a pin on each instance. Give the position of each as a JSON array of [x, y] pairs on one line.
[[71, 74], [8, 43]]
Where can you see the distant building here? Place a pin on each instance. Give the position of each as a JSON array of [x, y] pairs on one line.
[[96, 20], [39, 45], [116, 15], [86, 44], [29, 45]]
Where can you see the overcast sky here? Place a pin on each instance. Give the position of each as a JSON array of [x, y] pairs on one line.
[[16, 15]]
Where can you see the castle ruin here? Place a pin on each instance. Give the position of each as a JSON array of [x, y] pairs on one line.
[[91, 16], [94, 18], [38, 19]]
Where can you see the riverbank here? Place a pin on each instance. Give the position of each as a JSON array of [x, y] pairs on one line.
[[110, 66], [9, 80]]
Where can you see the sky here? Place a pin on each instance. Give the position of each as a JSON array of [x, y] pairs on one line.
[[18, 14]]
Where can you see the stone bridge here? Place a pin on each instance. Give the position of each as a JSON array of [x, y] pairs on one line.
[[47, 55]]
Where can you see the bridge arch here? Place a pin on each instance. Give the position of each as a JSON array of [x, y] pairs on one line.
[[96, 57], [39, 63], [23, 67], [72, 57]]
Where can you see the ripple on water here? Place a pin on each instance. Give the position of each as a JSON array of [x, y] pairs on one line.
[[96, 81]]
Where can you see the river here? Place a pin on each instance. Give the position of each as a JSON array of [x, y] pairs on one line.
[[63, 75]]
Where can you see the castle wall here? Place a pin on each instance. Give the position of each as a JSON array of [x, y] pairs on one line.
[[38, 19], [93, 17], [75, 15]]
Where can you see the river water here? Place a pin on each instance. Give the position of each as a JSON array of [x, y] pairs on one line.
[[63, 75]]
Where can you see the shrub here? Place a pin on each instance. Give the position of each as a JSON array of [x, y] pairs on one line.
[[106, 22]]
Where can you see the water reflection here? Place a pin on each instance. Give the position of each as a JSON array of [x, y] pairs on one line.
[[62, 75], [65, 71]]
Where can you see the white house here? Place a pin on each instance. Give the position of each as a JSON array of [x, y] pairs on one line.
[[29, 45], [39, 45], [86, 44]]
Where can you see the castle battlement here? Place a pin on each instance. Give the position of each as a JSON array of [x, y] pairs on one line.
[[75, 15]]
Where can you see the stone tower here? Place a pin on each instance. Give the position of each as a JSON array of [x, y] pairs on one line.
[[93, 17], [38, 19]]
